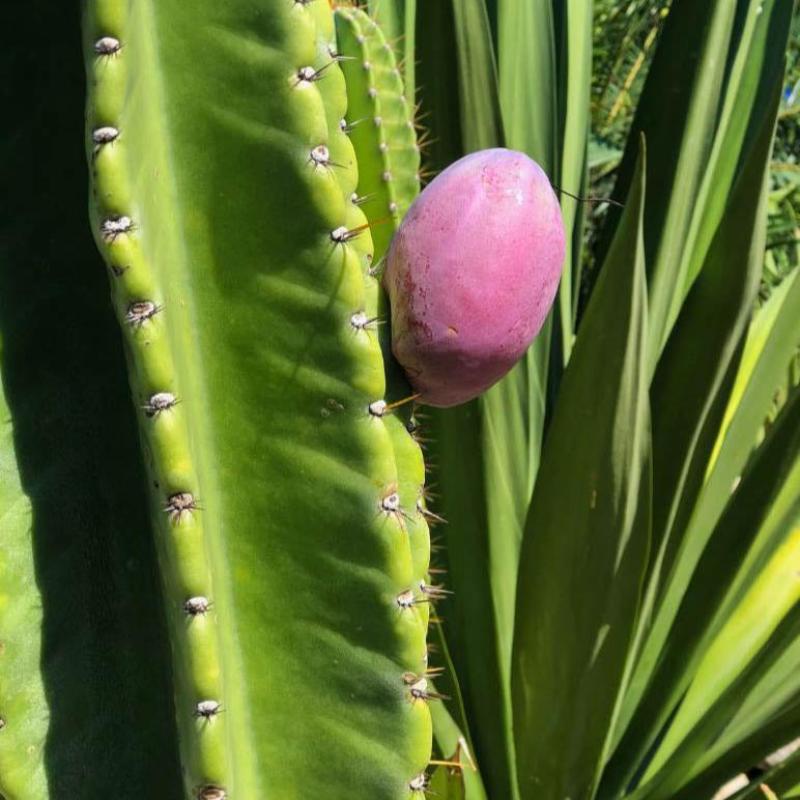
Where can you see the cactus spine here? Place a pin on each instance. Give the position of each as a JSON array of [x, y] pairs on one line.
[[284, 531]]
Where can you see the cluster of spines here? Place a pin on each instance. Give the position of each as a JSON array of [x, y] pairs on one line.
[[137, 295], [380, 122]]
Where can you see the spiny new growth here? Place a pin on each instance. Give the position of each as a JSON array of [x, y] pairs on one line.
[[379, 122]]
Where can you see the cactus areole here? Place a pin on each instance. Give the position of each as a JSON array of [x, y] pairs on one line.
[[472, 272]]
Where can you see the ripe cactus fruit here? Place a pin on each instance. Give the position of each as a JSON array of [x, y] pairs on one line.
[[472, 273]]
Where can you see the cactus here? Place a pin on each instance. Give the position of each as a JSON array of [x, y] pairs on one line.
[[283, 543], [221, 589], [380, 123]]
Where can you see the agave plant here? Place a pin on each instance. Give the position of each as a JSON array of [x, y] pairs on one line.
[[222, 590]]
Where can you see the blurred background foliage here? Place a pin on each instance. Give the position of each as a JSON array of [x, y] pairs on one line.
[[625, 36]]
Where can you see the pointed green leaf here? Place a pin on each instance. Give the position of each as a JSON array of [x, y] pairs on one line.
[[677, 114], [690, 392], [587, 536]]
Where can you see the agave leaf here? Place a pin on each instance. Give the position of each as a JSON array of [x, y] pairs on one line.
[[690, 392], [84, 681], [23, 705], [447, 784], [574, 33], [480, 101], [451, 731], [712, 639], [698, 765], [679, 136], [587, 536], [528, 80], [757, 63]]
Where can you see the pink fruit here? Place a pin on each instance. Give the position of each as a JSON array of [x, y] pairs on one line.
[[472, 272]]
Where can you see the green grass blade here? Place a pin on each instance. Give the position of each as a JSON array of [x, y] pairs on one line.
[[587, 537]]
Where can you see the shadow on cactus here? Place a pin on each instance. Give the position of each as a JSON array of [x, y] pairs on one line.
[[244, 599]]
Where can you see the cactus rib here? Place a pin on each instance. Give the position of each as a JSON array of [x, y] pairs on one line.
[[382, 129], [138, 292]]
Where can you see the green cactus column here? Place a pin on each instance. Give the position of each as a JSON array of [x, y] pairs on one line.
[[241, 272]]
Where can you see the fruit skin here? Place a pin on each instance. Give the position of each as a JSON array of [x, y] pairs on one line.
[[472, 272]]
